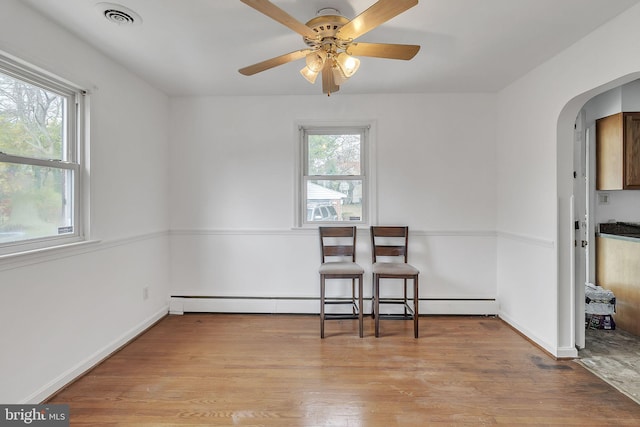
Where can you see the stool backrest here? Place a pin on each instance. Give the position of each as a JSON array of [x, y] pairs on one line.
[[389, 241], [338, 242]]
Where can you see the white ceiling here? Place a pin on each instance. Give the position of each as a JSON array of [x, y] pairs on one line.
[[195, 47]]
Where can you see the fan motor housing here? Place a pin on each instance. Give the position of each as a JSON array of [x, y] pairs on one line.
[[325, 26]]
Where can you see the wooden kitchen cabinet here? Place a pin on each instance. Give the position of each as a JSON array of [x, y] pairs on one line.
[[618, 152], [618, 270]]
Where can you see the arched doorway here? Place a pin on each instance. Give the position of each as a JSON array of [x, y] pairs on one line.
[[571, 284]]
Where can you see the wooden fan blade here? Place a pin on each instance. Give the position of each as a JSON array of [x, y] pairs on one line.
[[328, 83], [277, 14], [382, 50], [380, 12], [274, 62]]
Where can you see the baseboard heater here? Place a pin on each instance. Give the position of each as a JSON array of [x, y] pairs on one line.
[[180, 304]]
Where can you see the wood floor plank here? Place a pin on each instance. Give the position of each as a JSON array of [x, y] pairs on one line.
[[274, 370]]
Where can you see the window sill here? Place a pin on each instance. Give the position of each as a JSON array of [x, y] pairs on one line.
[[14, 259]]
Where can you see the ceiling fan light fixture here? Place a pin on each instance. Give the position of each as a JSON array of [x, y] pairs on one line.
[[338, 76], [315, 60], [348, 64], [309, 74]]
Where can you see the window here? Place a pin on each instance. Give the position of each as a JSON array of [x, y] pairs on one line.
[[334, 175], [40, 153]]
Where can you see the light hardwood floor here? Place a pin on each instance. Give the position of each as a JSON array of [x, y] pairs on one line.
[[274, 370]]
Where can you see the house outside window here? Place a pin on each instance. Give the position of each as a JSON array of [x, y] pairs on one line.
[[334, 175], [40, 159]]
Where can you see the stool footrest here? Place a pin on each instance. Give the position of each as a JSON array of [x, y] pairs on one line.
[[396, 316], [339, 316], [407, 307]]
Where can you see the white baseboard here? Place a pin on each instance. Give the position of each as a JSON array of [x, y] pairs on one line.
[[567, 353], [85, 365], [459, 307], [558, 352], [181, 305]]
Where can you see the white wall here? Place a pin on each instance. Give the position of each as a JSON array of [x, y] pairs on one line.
[[63, 311], [622, 206], [536, 115], [232, 193], [630, 96]]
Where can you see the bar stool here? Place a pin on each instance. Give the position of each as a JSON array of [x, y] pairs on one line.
[[389, 251], [338, 248]]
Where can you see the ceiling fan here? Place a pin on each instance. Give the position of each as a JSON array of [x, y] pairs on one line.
[[330, 39]]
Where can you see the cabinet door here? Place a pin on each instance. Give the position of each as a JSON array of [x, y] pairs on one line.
[[609, 153], [632, 150], [619, 271]]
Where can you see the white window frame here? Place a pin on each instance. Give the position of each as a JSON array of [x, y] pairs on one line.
[[367, 173], [74, 133]]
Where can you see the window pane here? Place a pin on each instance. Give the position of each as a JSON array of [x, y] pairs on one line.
[[31, 120], [33, 202], [334, 154], [334, 200]]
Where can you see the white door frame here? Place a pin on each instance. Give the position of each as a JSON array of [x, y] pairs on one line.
[[582, 218]]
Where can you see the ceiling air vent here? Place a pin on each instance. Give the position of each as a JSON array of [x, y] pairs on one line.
[[119, 14]]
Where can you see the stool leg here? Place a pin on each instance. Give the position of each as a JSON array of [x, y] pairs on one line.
[[416, 301], [406, 313], [373, 297], [360, 305], [353, 295], [376, 293], [321, 306]]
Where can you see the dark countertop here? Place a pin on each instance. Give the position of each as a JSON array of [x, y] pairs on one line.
[[623, 230]]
